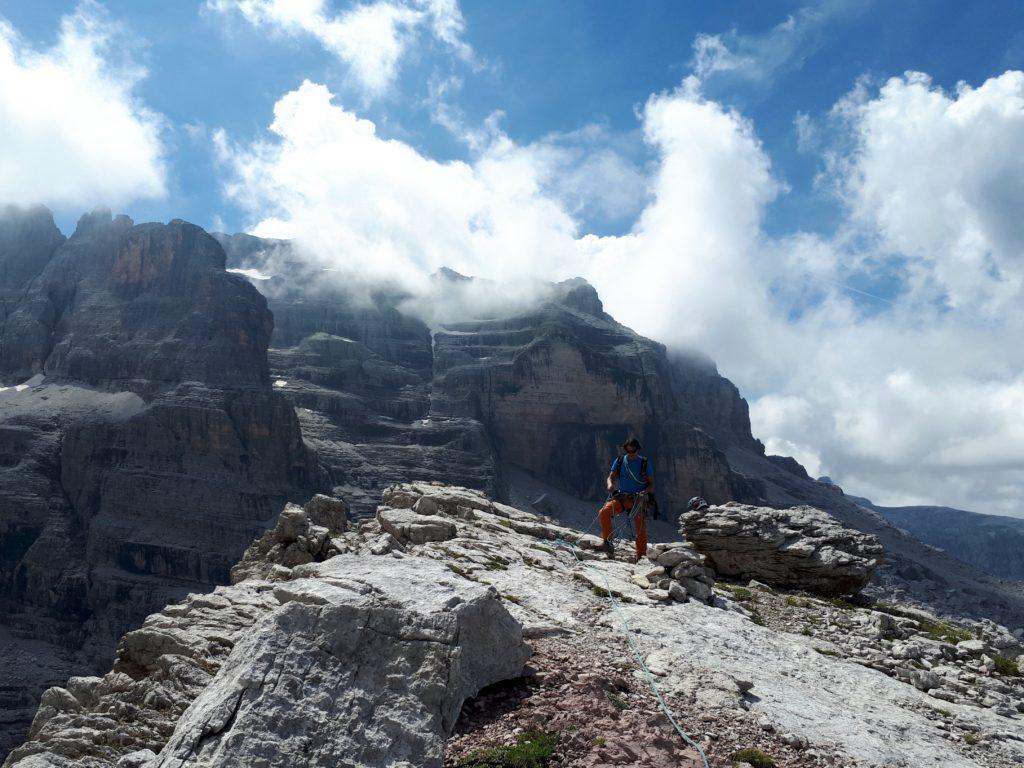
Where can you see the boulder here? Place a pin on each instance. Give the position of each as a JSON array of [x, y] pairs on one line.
[[800, 547], [399, 668], [330, 512], [410, 527], [293, 541]]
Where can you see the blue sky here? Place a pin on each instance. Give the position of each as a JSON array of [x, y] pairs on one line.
[[609, 57], [824, 197]]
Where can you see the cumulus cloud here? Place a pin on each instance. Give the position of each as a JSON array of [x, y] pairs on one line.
[[370, 39], [940, 178], [72, 128], [918, 402], [911, 398]]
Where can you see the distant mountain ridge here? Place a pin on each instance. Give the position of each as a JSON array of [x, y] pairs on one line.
[[992, 543]]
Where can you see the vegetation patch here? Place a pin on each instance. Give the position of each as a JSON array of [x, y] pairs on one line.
[[972, 738], [496, 563], [617, 701], [600, 592], [756, 617], [533, 749], [755, 757], [798, 602], [1007, 666], [946, 633], [741, 594], [512, 599], [460, 571], [841, 604], [829, 652]]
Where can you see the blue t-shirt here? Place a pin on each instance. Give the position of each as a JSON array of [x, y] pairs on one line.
[[630, 478]]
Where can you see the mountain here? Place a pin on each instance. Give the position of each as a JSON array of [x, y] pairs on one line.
[[991, 543], [141, 443], [545, 390], [166, 391]]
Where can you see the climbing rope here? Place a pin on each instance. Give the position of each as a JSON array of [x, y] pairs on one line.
[[628, 631]]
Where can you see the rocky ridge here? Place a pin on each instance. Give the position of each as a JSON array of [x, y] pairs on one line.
[[739, 671]]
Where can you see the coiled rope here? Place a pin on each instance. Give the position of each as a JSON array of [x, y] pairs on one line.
[[628, 631]]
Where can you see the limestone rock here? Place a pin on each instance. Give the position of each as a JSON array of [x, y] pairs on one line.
[[799, 547], [410, 527], [142, 447], [327, 511], [293, 541], [436, 640]]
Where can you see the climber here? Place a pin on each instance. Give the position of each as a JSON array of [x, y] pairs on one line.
[[635, 492]]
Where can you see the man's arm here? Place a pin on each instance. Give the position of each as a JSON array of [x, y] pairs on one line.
[[610, 482], [650, 483]]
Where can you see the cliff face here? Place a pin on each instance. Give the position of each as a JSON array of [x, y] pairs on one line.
[[560, 387], [141, 445], [553, 389]]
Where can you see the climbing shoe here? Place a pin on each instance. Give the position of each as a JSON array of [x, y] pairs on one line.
[[608, 548]]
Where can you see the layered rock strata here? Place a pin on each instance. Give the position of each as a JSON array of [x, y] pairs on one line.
[[141, 444], [548, 387], [799, 547]]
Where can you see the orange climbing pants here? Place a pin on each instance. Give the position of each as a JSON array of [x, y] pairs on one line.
[[616, 506]]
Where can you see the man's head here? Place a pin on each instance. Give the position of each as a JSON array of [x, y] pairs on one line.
[[631, 446]]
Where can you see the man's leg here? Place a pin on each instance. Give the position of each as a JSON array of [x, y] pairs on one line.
[[611, 508], [640, 524]]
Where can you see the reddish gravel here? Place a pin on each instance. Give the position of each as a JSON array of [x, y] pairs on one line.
[[605, 716]]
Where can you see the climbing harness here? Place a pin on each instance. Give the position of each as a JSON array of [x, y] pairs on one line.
[[628, 631]]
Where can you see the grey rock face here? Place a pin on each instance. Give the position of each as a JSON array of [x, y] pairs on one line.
[[356, 660], [146, 449], [560, 386], [681, 569], [297, 671], [308, 684], [295, 540], [800, 547], [329, 512], [411, 527]]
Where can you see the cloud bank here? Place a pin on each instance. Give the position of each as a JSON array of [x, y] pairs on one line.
[[911, 399], [72, 128]]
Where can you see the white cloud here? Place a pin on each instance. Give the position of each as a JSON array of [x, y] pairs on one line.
[[911, 398], [940, 178], [732, 58], [72, 129], [371, 39]]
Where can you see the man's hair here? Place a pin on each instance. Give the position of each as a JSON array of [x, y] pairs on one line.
[[631, 441]]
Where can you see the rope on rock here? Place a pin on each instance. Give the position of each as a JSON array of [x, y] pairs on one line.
[[628, 631]]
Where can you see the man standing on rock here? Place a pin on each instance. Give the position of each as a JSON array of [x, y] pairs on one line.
[[635, 482]]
